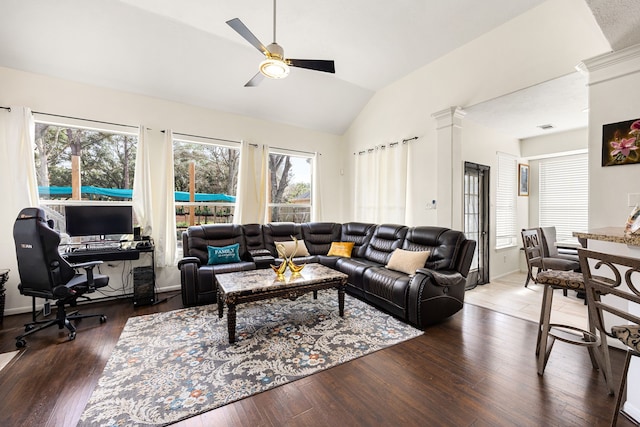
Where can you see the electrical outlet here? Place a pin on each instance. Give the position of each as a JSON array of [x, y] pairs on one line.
[[633, 199]]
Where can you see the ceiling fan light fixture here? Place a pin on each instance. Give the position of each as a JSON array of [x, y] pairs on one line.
[[274, 68]]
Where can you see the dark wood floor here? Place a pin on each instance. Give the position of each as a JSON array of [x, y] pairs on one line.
[[476, 369]]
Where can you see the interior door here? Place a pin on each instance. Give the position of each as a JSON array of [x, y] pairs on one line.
[[476, 220]]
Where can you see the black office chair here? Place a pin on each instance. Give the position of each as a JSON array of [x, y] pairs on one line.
[[46, 274]]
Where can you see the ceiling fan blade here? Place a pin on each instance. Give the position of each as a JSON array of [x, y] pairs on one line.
[[313, 64], [242, 29], [255, 80]]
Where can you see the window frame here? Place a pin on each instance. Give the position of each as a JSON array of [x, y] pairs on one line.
[[506, 201], [212, 205], [55, 207], [269, 204], [563, 194]]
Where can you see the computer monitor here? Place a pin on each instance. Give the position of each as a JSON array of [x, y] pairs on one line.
[[98, 220]]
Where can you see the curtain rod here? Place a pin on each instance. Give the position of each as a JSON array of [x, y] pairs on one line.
[[86, 120], [295, 151], [208, 137], [391, 144], [79, 118]]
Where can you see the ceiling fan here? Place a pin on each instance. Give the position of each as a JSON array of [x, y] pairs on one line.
[[275, 65]]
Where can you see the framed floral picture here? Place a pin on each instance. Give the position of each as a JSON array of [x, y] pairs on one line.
[[621, 143], [523, 179]]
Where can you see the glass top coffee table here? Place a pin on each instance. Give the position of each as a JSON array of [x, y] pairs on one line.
[[256, 285]]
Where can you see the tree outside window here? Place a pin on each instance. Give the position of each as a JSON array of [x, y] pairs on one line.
[[206, 182], [290, 188], [81, 165]]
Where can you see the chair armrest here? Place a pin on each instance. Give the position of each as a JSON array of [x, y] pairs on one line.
[[85, 265], [88, 269], [188, 260]]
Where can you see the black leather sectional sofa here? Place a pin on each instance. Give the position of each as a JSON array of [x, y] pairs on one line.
[[432, 294]]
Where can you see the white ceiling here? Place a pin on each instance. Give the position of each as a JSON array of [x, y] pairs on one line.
[[561, 103], [183, 51]]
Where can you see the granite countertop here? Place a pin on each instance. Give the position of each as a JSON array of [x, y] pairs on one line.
[[609, 234]]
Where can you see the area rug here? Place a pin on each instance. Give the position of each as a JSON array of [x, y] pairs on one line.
[[170, 366]]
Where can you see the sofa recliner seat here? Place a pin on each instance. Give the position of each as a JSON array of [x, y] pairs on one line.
[[433, 293]]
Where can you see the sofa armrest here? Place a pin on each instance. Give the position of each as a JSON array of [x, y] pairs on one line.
[[261, 257], [443, 277], [434, 295], [188, 260]]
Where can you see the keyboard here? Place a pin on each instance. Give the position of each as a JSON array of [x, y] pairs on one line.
[[103, 253], [98, 249]]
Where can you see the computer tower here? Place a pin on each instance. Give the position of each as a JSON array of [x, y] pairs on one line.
[[143, 286]]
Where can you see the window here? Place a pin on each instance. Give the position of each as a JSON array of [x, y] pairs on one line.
[[506, 232], [564, 195], [76, 165], [206, 181], [290, 195]]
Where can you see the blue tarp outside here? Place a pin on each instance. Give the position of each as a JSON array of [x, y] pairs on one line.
[[181, 196]]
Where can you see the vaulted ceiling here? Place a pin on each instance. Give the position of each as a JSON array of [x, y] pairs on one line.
[[183, 51]]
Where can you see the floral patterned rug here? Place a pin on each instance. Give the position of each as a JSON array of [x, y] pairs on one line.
[[170, 366]]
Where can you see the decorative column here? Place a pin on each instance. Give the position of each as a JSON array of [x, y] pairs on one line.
[[450, 167]]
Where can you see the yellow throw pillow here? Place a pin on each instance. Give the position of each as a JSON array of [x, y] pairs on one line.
[[341, 249], [407, 261], [290, 246]]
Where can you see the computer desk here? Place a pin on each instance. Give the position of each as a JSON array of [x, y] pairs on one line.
[[128, 251]]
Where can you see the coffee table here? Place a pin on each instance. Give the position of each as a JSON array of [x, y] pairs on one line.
[[256, 285]]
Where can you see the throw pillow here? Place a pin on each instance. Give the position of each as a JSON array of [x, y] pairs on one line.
[[341, 249], [407, 261], [224, 254], [290, 246]]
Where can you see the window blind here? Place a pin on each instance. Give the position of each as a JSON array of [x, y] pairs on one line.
[[506, 232], [564, 195]]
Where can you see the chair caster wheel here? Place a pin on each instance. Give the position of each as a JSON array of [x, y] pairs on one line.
[[21, 343], [103, 319], [72, 336], [27, 328]]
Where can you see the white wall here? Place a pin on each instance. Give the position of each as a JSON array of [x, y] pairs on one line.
[[542, 44], [613, 83], [56, 96], [558, 143], [613, 97]]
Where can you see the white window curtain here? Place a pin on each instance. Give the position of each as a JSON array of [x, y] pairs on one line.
[[564, 195], [165, 233], [19, 182], [18, 185], [316, 199], [142, 194], [247, 193], [506, 229], [381, 184], [264, 189]]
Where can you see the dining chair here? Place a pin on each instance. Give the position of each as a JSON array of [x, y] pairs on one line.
[[549, 332], [612, 285], [539, 253]]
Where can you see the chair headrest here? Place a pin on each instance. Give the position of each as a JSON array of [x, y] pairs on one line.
[[30, 213]]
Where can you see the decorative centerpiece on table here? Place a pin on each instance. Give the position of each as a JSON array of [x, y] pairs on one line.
[[287, 261]]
